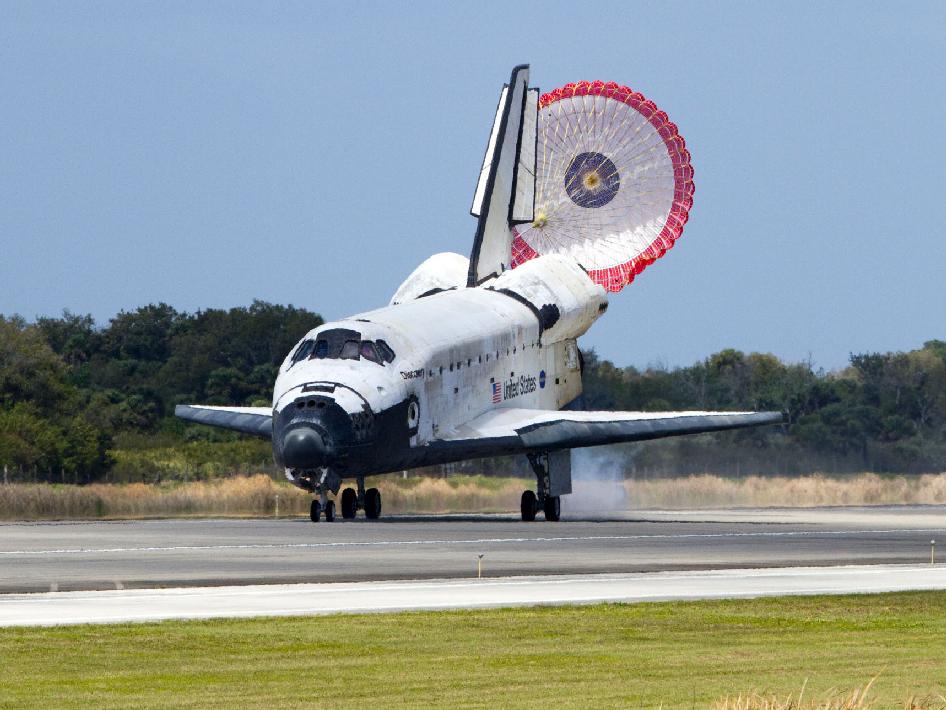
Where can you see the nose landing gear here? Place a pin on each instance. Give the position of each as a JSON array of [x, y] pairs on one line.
[[324, 481], [351, 502], [320, 506]]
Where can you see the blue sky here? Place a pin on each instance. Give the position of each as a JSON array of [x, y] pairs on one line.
[[207, 154]]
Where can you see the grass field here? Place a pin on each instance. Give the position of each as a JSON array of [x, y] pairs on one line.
[[691, 654]]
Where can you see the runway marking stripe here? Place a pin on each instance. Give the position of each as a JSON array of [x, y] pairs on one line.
[[310, 588], [478, 541]]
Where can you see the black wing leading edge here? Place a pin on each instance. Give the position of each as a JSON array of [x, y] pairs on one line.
[[246, 420]]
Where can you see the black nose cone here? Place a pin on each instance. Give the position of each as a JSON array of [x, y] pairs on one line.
[[304, 447]]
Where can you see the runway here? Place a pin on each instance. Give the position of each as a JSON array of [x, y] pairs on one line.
[[49, 608], [122, 555]]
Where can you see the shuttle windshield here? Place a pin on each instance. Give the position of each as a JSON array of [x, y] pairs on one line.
[[344, 344]]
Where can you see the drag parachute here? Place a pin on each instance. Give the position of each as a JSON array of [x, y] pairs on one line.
[[613, 182]]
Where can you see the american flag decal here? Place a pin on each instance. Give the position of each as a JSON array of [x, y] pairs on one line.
[[497, 392]]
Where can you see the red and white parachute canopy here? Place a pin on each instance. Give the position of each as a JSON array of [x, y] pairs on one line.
[[614, 185]]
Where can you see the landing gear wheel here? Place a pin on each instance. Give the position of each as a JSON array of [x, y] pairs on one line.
[[315, 510], [372, 504], [349, 503], [528, 506], [553, 508], [330, 512]]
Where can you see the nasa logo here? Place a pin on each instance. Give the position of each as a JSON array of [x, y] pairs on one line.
[[542, 379]]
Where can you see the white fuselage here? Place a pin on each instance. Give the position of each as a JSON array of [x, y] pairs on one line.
[[457, 354]]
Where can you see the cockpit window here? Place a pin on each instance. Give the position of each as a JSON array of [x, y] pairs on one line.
[[344, 344], [330, 343], [349, 350], [385, 351], [369, 352], [302, 352]]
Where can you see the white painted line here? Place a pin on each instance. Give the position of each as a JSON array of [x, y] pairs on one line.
[[476, 541], [114, 606]]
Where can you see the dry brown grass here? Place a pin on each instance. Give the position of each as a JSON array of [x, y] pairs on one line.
[[708, 491], [256, 495], [468, 494], [854, 700], [241, 496], [857, 699]]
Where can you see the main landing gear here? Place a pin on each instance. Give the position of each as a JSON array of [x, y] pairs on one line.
[[531, 503], [351, 502]]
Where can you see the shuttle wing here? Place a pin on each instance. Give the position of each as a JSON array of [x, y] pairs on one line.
[[524, 430], [247, 420]]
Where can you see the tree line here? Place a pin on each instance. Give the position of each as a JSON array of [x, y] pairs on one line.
[[72, 392], [74, 395], [884, 412]]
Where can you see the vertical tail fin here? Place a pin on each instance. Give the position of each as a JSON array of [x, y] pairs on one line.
[[505, 192]]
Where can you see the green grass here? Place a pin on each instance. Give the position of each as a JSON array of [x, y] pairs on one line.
[[643, 655]]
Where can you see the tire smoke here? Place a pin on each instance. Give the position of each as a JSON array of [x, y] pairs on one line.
[[597, 482]]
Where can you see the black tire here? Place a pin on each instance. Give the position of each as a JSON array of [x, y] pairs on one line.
[[372, 504], [315, 510], [528, 506], [553, 508], [349, 503], [330, 512]]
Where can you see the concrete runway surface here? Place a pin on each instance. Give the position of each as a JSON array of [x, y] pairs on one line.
[[76, 556], [114, 606]]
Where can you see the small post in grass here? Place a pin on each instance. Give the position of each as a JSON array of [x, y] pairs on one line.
[[277, 506], [479, 565]]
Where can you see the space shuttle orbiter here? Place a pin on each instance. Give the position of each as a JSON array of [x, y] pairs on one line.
[[581, 189]]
